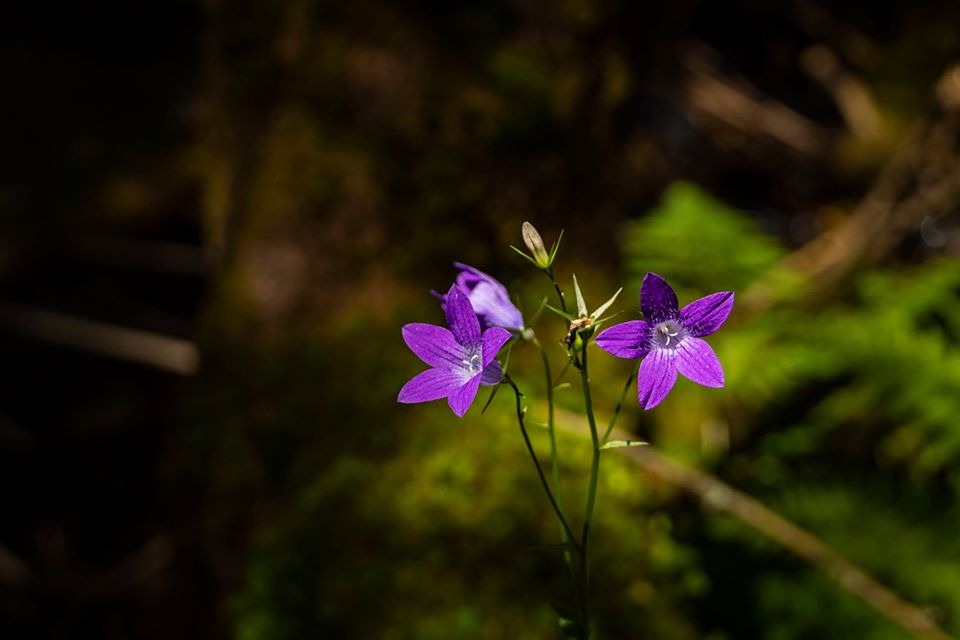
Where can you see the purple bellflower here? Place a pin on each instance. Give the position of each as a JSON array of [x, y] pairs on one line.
[[461, 357], [669, 340], [489, 299]]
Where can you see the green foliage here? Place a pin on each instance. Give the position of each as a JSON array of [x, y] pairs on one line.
[[694, 240], [842, 416], [403, 522]]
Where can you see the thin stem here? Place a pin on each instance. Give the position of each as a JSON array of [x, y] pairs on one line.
[[536, 463], [556, 286], [616, 411], [553, 438], [592, 492], [554, 463]]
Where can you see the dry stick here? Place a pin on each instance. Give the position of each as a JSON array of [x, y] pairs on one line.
[[713, 96], [888, 211], [719, 495], [135, 345]]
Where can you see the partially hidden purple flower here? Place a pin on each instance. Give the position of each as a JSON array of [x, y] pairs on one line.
[[489, 299], [461, 357], [669, 340]]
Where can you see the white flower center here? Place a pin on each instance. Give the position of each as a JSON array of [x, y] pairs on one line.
[[667, 334], [473, 362]]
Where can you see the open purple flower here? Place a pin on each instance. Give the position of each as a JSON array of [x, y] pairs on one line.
[[669, 340], [489, 299], [462, 357]]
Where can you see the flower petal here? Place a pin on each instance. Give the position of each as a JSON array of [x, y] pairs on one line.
[[697, 361], [493, 340], [469, 277], [656, 378], [490, 299], [495, 308], [625, 340], [491, 374], [461, 399], [431, 384], [657, 300], [434, 345], [461, 317], [704, 316]]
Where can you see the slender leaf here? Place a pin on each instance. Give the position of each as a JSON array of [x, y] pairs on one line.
[[605, 305], [528, 258], [581, 305], [562, 314], [619, 444]]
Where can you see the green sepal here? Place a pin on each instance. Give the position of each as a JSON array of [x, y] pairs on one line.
[[581, 305], [562, 314], [527, 258], [536, 315], [619, 444], [605, 305], [493, 392], [503, 366], [556, 245]]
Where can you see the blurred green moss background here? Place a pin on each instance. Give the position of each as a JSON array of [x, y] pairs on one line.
[[274, 188]]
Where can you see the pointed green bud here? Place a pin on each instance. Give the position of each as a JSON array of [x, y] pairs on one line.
[[606, 305], [531, 238], [581, 304]]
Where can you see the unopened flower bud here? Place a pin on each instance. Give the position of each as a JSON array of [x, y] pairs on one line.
[[534, 243]]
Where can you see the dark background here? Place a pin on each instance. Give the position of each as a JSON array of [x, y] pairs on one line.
[[217, 216]]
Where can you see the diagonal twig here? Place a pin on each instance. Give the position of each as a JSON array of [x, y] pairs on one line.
[[721, 496]]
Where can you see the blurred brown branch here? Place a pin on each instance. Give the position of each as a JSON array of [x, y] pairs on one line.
[[853, 96], [144, 347], [714, 96], [920, 181], [718, 495]]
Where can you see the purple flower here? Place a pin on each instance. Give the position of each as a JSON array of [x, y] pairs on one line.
[[489, 299], [462, 358], [669, 340]]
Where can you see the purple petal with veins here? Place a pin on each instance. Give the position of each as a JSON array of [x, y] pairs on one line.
[[431, 384], [626, 340], [493, 339], [461, 399], [696, 360], [704, 316], [461, 317], [655, 378], [657, 300], [492, 374], [435, 345]]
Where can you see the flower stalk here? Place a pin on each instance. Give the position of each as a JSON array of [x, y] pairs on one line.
[[591, 491], [536, 463], [482, 319]]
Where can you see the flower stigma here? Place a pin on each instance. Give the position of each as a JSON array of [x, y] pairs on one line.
[[667, 334], [474, 363]]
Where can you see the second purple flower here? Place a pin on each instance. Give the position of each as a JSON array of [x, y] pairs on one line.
[[669, 339]]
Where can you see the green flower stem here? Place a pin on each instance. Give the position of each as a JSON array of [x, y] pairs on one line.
[[556, 286], [554, 463], [553, 438], [536, 462], [616, 411], [592, 491]]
